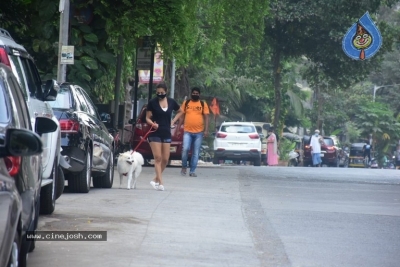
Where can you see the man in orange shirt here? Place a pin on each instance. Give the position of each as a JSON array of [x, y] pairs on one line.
[[195, 125]]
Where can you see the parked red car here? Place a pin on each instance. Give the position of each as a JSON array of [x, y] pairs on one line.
[[141, 128], [329, 152]]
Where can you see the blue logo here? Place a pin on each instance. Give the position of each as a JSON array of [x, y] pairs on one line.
[[363, 40]]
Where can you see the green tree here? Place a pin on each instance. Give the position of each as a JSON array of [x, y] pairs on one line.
[[315, 29]]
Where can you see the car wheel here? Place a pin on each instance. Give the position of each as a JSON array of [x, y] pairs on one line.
[[14, 254], [80, 182], [215, 160], [60, 182], [48, 192], [106, 180], [23, 253], [257, 161]]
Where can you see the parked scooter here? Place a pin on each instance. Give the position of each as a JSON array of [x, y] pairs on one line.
[[373, 163], [293, 159], [388, 163]]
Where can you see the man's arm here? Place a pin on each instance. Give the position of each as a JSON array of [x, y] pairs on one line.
[[206, 118]]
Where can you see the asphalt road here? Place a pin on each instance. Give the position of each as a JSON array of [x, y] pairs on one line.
[[233, 216]]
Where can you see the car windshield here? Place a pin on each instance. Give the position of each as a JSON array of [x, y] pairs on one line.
[[237, 128], [355, 151], [63, 100], [328, 142]]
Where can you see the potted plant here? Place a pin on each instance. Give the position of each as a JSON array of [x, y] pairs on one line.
[[284, 148]]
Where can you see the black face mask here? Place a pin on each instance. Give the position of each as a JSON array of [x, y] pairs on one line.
[[195, 97], [162, 96]]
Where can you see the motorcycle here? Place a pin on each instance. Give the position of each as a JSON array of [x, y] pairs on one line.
[[343, 157]]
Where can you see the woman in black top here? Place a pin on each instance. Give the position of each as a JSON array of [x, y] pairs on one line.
[[158, 114]]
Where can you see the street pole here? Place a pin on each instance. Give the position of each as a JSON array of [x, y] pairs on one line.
[[63, 38], [173, 79], [118, 82]]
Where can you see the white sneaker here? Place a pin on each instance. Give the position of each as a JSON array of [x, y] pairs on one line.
[[160, 188], [154, 185]]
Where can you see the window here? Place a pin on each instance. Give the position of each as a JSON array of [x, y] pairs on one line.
[[91, 107], [237, 128], [63, 100], [33, 81], [19, 74], [4, 115], [328, 141], [22, 109], [81, 103]]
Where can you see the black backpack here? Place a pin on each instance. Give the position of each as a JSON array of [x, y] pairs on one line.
[[201, 102]]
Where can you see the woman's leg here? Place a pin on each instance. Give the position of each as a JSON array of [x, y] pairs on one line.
[[165, 152], [156, 149]]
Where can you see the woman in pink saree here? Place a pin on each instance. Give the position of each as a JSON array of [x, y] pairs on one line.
[[272, 148]]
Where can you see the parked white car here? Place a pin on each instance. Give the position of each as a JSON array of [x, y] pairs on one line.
[[237, 141], [36, 95]]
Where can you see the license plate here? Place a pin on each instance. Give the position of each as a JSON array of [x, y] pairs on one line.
[[322, 155], [237, 144], [172, 149]]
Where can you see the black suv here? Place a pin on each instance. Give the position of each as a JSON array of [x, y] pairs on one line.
[[86, 143]]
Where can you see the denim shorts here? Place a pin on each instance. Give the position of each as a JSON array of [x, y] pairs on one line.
[[157, 139]]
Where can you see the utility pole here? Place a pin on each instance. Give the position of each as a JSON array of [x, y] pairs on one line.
[[118, 82], [63, 38], [173, 79]]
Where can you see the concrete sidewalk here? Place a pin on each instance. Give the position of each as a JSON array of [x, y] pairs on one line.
[[196, 221]]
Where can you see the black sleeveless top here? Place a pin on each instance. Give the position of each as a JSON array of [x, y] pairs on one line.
[[161, 117]]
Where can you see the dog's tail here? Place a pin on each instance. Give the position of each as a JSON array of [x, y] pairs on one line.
[[140, 159]]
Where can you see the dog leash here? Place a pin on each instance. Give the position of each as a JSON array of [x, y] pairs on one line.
[[144, 138]]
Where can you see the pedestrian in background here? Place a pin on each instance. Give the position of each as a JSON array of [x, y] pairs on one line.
[[195, 126], [158, 115], [272, 148], [367, 151], [315, 145]]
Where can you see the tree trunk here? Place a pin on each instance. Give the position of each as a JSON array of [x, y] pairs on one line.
[[276, 59]]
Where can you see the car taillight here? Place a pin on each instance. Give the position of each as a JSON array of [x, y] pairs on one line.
[[4, 57], [13, 164], [254, 136], [221, 135], [69, 126]]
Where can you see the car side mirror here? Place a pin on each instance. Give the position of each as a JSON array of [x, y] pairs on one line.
[[45, 125], [51, 89], [20, 142]]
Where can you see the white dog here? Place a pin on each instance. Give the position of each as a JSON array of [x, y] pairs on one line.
[[128, 163]]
